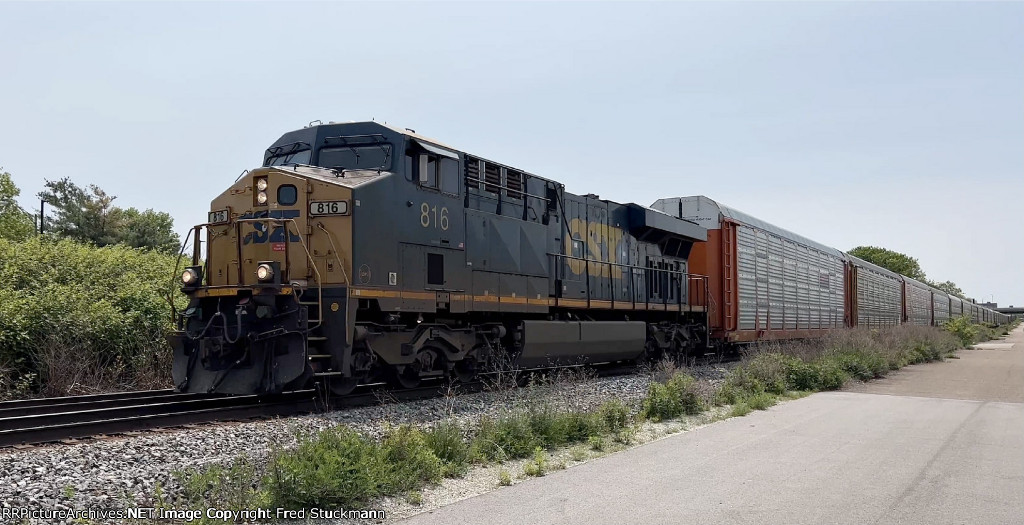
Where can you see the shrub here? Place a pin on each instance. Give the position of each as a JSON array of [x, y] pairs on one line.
[[678, 396], [740, 409], [770, 370], [804, 376], [539, 465], [409, 461], [446, 442], [625, 435], [962, 328], [614, 414], [831, 375], [337, 468], [553, 427], [235, 487], [761, 401], [505, 438], [83, 318], [738, 385]]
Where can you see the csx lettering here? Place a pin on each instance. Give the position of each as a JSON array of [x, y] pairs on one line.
[[259, 233], [595, 235]]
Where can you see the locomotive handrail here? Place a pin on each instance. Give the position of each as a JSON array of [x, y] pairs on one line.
[[506, 188], [341, 263], [678, 273]]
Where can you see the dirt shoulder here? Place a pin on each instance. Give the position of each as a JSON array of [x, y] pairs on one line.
[[992, 371]]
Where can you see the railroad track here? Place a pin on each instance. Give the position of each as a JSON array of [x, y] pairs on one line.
[[36, 421], [65, 419]]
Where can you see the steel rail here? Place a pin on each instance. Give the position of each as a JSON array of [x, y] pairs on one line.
[[89, 398], [61, 426], [73, 404], [43, 428]]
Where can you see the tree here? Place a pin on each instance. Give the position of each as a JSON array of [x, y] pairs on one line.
[[15, 223], [89, 215], [890, 260], [80, 214], [148, 229], [949, 287]]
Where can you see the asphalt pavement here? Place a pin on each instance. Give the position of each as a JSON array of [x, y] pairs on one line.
[[940, 443]]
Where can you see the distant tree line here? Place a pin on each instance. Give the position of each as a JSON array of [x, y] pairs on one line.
[[85, 214], [903, 264]]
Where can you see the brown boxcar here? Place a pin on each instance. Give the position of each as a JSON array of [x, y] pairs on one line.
[[874, 295], [766, 282]]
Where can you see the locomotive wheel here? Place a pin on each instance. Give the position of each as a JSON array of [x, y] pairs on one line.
[[465, 370], [342, 386], [428, 362], [652, 352], [405, 377]]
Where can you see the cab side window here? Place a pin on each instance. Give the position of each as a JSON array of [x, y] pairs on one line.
[[449, 175], [431, 181], [438, 173], [410, 166]]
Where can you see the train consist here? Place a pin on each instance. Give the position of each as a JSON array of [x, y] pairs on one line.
[[770, 283], [361, 252]]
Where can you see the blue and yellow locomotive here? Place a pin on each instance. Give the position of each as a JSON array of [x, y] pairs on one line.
[[360, 252]]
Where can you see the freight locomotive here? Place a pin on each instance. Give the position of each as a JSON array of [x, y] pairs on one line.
[[363, 252]]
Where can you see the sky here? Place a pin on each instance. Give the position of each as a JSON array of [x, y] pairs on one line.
[[898, 125]]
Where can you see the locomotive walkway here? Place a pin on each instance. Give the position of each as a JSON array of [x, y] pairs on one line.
[[940, 443]]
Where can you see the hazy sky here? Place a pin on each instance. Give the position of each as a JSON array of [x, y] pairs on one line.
[[893, 124]]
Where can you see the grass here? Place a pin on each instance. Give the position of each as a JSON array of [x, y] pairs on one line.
[[339, 468]]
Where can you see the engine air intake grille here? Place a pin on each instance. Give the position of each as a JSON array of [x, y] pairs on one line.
[[492, 178], [472, 173], [514, 184]]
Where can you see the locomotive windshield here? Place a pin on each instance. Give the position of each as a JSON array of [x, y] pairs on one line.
[[371, 157], [294, 153], [301, 157]]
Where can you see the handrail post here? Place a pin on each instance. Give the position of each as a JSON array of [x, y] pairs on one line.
[[196, 244]]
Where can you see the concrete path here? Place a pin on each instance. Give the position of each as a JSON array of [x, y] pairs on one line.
[[934, 444]]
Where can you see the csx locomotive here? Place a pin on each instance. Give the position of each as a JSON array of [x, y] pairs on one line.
[[361, 252]]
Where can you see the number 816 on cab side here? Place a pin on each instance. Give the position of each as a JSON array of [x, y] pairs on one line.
[[328, 208]]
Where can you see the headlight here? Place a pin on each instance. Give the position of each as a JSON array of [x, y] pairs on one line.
[[189, 277], [261, 184], [264, 272], [261, 197]]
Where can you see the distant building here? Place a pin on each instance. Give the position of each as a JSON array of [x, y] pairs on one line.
[[990, 305]]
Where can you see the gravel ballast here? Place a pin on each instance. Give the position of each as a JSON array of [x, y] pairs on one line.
[[124, 471]]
